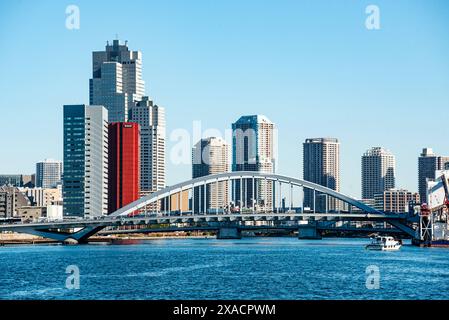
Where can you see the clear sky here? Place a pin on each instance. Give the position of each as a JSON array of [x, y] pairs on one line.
[[312, 67]]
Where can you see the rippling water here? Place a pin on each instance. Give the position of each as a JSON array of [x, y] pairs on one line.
[[251, 268]]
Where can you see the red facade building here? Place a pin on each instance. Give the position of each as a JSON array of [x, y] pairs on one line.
[[124, 164]]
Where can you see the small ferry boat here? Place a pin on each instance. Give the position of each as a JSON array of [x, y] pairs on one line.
[[384, 244]]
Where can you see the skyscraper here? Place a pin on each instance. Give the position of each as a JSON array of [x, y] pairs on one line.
[[428, 164], [124, 164], [48, 173], [85, 181], [321, 165], [254, 150], [151, 119], [378, 172], [116, 80], [210, 156]]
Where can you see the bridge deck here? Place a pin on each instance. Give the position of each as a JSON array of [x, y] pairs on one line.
[[186, 218]]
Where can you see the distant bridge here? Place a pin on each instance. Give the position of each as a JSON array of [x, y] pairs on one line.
[[226, 222]]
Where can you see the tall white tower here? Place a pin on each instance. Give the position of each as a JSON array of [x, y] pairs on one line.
[[210, 156], [321, 165], [378, 172], [253, 149], [151, 119]]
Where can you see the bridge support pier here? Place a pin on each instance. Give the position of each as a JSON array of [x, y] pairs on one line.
[[229, 233], [309, 232]]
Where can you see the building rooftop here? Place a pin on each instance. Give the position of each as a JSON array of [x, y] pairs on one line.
[[322, 140], [253, 119]]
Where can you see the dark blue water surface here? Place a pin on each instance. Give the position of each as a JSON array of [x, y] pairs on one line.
[[251, 268]]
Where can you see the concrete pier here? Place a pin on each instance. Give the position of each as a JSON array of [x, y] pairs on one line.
[[309, 232], [229, 233]]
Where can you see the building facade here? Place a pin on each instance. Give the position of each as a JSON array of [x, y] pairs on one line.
[[321, 165], [151, 119], [48, 173], [124, 164], [116, 80], [253, 149], [42, 197], [85, 181], [428, 164], [378, 172], [210, 156], [397, 201], [11, 199]]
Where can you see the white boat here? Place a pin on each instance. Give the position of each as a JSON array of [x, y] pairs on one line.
[[384, 244]]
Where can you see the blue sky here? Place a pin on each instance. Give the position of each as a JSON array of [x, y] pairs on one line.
[[310, 66]]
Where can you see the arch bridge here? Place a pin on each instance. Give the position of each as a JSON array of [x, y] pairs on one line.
[[226, 201]]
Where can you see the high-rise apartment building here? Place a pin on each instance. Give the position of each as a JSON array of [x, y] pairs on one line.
[[116, 80], [378, 172], [151, 119], [48, 173], [210, 156], [85, 181], [428, 164], [124, 164], [321, 165], [254, 148]]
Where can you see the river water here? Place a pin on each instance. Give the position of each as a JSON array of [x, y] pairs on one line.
[[251, 268]]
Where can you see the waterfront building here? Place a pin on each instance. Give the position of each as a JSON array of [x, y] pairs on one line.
[[428, 164], [85, 181], [395, 200], [48, 173], [210, 156], [151, 119], [11, 199], [253, 149], [378, 172], [116, 80], [321, 165], [124, 164]]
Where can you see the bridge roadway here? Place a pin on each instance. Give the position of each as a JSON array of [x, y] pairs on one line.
[[274, 228], [151, 219], [81, 230]]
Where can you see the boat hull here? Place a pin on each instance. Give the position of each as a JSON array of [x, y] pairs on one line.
[[382, 248]]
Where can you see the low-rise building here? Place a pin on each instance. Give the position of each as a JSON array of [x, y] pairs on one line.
[[11, 199], [42, 197], [395, 200], [31, 214]]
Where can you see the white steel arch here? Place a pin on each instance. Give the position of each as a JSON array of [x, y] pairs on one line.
[[229, 176]]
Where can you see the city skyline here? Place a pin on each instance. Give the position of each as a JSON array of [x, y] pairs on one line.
[[298, 94]]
